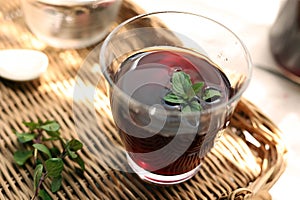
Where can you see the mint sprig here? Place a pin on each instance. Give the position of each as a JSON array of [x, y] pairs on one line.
[[49, 162], [187, 94]]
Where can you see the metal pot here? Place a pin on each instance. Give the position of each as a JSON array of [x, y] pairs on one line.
[[285, 40]]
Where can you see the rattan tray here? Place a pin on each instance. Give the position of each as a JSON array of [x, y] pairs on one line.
[[245, 163]]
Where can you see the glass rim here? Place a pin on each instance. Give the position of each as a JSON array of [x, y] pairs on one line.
[[231, 100], [71, 2]]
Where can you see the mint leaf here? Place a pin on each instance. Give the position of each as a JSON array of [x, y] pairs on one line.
[[72, 154], [173, 98], [43, 149], [189, 95], [51, 168], [22, 156], [31, 125], [192, 106], [197, 87], [54, 167], [183, 92], [195, 106], [56, 184], [44, 195], [187, 108], [51, 139], [53, 134], [187, 77], [74, 145], [80, 162], [181, 84], [24, 137], [55, 152], [211, 94], [38, 172], [50, 126]]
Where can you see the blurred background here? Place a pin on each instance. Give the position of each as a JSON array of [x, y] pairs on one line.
[[274, 94]]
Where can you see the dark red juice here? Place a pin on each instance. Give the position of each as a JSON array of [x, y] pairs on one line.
[[167, 144]]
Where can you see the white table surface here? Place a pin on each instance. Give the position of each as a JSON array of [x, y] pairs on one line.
[[277, 97]]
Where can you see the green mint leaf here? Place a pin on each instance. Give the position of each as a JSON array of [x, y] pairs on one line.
[[51, 139], [192, 106], [80, 162], [72, 154], [187, 77], [50, 126], [38, 172], [173, 98], [181, 84], [54, 167], [55, 152], [195, 106], [22, 156], [31, 125], [24, 137], [74, 145], [186, 109], [184, 92], [38, 161], [53, 134], [43, 149], [190, 93], [197, 87], [211, 94], [44, 195], [56, 184]]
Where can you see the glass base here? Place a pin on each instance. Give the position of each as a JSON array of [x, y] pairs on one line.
[[160, 179]]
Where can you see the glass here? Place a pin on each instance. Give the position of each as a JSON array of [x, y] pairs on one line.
[[165, 145], [285, 39], [70, 23]]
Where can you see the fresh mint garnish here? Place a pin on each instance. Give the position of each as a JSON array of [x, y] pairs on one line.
[[187, 94], [49, 162], [210, 94]]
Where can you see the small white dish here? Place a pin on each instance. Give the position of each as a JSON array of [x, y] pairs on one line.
[[22, 64]]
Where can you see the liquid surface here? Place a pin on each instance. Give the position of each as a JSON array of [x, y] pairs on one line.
[[153, 141], [149, 74]]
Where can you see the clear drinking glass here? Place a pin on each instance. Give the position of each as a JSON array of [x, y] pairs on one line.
[[70, 24], [165, 141]]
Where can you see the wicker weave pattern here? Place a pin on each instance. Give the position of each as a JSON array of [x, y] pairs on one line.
[[245, 163]]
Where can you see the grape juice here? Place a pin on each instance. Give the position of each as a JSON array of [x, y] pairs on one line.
[[165, 143]]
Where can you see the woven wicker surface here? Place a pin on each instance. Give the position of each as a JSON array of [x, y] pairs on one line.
[[245, 163]]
